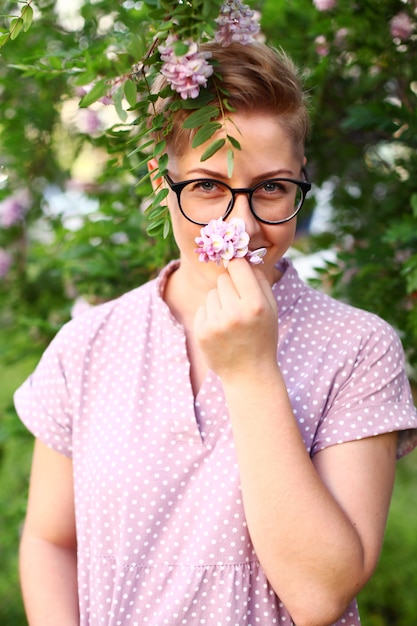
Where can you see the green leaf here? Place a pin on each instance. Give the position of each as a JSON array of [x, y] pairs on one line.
[[145, 178], [205, 133], [413, 202], [160, 196], [3, 39], [117, 99], [234, 142], [160, 146], [55, 63], [410, 273], [230, 162], [85, 78], [96, 92], [180, 48], [153, 230], [203, 99], [212, 149], [16, 26], [166, 230], [201, 116], [130, 92], [228, 106], [163, 164], [27, 16]]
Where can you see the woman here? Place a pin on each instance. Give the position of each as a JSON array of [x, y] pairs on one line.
[[217, 446]]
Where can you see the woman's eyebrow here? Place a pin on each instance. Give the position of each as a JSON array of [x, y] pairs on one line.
[[200, 171]]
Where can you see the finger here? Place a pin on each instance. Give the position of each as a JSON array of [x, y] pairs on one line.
[[213, 303], [227, 292], [265, 285], [242, 276], [249, 281]]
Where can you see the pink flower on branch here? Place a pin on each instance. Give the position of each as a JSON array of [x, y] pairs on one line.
[[13, 209], [322, 47], [222, 241], [236, 23], [401, 26], [187, 72], [324, 5]]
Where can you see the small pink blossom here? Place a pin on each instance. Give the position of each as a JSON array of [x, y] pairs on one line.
[[340, 37], [188, 72], [321, 45], [13, 209], [256, 257], [325, 5], [401, 26], [89, 121], [236, 23], [5, 262], [221, 241]]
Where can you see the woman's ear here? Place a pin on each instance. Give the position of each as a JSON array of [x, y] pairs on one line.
[[156, 179]]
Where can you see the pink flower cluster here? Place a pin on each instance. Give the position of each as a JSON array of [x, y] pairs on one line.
[[401, 26], [222, 241], [324, 5], [188, 72], [236, 23], [13, 209]]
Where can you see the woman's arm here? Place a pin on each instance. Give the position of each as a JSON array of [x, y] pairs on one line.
[[317, 527], [48, 563]]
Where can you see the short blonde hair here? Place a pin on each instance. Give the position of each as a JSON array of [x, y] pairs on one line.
[[257, 79]]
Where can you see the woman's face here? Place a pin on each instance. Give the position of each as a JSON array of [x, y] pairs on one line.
[[266, 152]]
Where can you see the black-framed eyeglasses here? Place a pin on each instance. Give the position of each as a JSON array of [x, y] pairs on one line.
[[272, 201]]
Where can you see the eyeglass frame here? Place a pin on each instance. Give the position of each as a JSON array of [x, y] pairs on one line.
[[304, 185]]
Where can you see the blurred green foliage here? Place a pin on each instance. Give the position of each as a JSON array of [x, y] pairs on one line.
[[73, 175]]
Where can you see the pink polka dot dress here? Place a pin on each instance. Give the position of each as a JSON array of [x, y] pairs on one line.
[[162, 536]]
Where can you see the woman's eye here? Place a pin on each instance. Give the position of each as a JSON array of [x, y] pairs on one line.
[[273, 187], [207, 185]]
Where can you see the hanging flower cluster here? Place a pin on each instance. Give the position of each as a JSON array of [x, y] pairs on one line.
[[186, 72], [236, 23], [186, 68], [221, 241]]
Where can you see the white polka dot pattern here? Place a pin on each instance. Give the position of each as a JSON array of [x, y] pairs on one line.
[[162, 532]]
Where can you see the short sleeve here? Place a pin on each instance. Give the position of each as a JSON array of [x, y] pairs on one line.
[[45, 401], [375, 397]]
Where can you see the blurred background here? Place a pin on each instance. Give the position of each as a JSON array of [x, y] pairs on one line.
[[73, 233]]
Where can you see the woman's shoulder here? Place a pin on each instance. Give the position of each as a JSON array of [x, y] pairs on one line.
[[112, 318], [313, 305]]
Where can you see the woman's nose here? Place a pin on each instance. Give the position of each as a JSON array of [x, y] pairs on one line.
[[241, 208]]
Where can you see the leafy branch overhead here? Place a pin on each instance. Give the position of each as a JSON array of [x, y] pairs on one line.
[[18, 23], [168, 41]]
